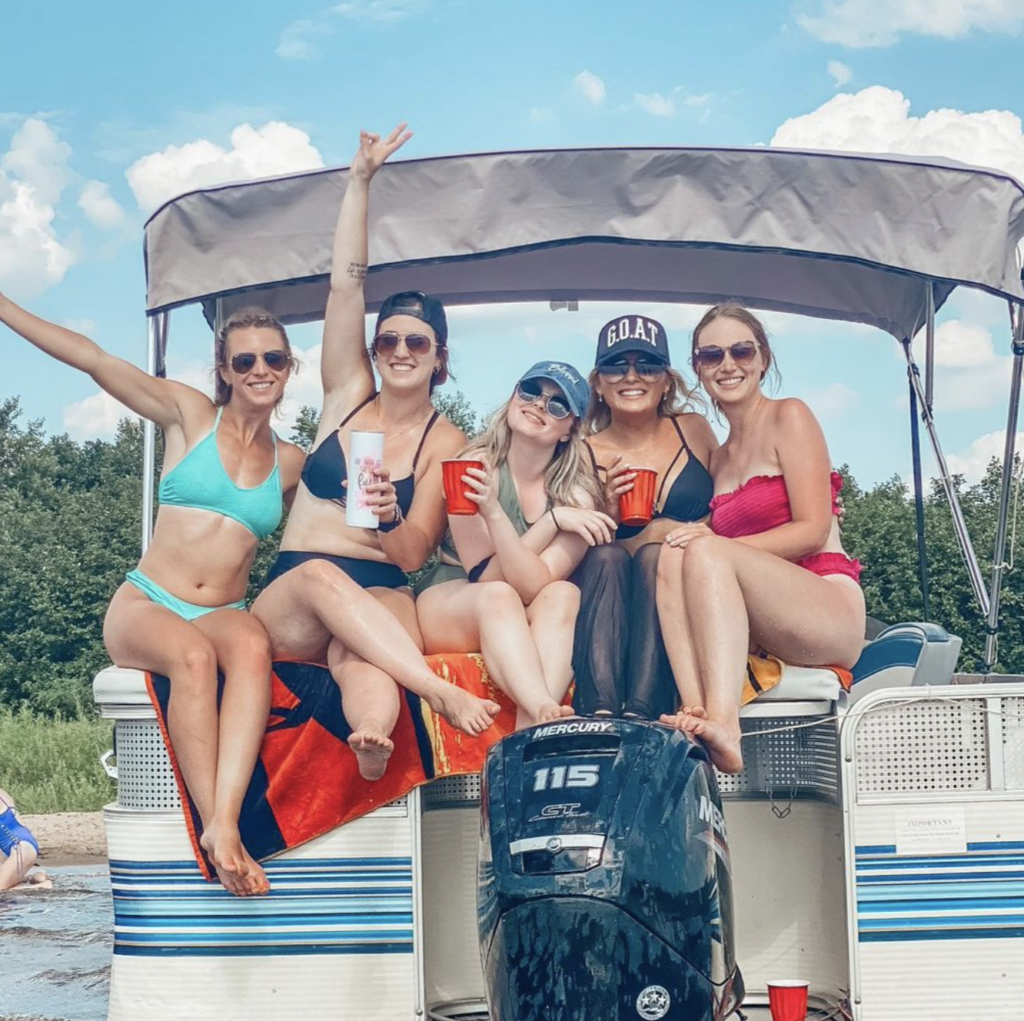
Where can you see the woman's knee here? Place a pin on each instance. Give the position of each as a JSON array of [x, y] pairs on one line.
[[196, 664], [707, 554], [248, 651], [559, 597], [496, 597]]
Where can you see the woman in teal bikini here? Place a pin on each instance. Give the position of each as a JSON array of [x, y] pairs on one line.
[[181, 612]]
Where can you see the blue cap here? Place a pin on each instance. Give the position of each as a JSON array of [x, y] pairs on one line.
[[566, 377]]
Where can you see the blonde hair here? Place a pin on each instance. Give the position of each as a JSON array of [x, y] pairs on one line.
[[570, 474], [679, 398]]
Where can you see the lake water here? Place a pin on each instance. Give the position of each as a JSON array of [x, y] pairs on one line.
[[55, 948]]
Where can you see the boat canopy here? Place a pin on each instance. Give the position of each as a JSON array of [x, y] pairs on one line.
[[835, 235]]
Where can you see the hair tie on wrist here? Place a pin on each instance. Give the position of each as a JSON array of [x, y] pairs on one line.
[[390, 526], [551, 511]]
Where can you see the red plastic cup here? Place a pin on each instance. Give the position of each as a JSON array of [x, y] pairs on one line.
[[452, 470], [637, 506], [787, 998]]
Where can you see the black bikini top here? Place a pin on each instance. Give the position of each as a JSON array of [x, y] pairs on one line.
[[325, 469], [687, 500]]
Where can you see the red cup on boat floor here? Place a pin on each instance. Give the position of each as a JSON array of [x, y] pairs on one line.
[[637, 506], [452, 470], [787, 998]]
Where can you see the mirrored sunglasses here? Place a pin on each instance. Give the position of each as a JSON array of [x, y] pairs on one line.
[[530, 391], [648, 370]]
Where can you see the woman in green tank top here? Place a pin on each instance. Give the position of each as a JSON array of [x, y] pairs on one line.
[[501, 587]]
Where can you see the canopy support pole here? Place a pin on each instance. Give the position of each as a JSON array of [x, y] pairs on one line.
[[959, 525], [156, 354], [998, 557], [929, 360], [922, 548]]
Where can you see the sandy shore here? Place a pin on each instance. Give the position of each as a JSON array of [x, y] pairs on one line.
[[69, 838]]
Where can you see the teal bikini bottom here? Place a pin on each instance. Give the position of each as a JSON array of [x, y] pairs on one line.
[[160, 596]]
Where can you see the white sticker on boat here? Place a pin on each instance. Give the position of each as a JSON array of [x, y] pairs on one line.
[[931, 829]]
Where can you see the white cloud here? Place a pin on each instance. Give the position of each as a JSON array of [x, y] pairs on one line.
[[590, 87], [864, 23], [385, 11], [298, 40], [33, 175], [275, 148], [840, 73], [86, 326], [877, 119], [655, 103], [832, 401], [541, 115], [975, 461], [959, 345], [95, 417], [97, 203]]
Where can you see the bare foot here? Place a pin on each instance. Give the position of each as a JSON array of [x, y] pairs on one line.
[[373, 748], [553, 711], [722, 743], [256, 880], [231, 860], [462, 710]]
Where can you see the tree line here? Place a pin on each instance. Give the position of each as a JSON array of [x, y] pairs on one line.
[[70, 528]]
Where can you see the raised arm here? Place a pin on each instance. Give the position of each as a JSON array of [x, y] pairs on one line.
[[344, 363], [160, 400]]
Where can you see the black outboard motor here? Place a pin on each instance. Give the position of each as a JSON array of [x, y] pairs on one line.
[[605, 892]]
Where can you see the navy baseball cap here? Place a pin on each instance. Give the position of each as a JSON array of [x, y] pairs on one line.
[[418, 305], [632, 333], [567, 378]]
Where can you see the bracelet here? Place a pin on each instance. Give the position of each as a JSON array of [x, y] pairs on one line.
[[551, 511], [390, 526]]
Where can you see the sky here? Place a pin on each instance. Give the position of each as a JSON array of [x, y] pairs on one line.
[[109, 109]]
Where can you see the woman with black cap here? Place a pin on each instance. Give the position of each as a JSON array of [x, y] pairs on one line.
[[536, 497], [638, 418], [337, 593]]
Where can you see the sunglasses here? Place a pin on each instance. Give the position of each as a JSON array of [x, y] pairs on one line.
[[529, 392], [276, 361], [615, 372], [415, 343], [711, 355]]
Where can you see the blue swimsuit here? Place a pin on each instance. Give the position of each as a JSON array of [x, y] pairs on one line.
[[199, 480], [13, 833]]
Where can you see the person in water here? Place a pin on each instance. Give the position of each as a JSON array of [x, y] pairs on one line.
[[638, 417], [181, 611], [19, 850], [537, 497], [769, 571], [338, 594]]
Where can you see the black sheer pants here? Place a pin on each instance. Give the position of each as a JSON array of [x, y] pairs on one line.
[[618, 654]]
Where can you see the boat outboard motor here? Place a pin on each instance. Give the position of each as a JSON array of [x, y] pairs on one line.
[[604, 889]]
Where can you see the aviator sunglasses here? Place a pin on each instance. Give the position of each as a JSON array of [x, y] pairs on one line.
[[530, 391], [276, 360], [649, 371], [416, 343], [741, 352]]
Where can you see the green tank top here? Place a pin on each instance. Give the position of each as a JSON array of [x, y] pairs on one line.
[[508, 500]]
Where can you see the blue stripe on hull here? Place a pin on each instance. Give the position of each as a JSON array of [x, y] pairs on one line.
[[322, 906], [909, 899]]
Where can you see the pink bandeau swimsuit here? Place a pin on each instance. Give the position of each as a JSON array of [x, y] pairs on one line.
[[762, 503]]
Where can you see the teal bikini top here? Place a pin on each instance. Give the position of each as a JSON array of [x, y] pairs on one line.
[[199, 480]]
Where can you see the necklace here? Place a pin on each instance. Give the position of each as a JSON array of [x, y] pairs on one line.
[[401, 432]]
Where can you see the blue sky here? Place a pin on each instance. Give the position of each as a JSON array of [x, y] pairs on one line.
[[108, 108]]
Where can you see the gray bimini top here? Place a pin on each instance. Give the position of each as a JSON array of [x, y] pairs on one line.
[[836, 235]]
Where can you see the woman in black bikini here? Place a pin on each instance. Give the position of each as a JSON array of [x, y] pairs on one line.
[[337, 594], [638, 418]]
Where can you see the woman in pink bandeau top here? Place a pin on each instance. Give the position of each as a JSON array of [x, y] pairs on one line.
[[767, 570]]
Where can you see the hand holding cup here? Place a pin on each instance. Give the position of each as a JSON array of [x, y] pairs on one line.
[[381, 496], [636, 505], [456, 490]]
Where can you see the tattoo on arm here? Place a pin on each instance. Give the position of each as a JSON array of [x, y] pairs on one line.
[[357, 270]]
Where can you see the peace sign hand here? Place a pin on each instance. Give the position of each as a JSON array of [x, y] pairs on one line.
[[373, 151]]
